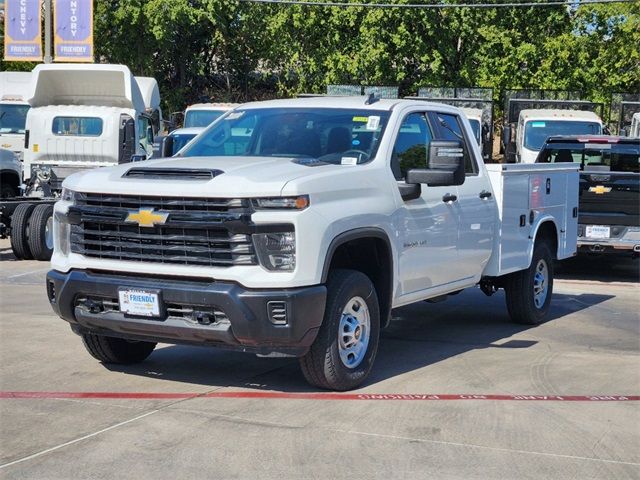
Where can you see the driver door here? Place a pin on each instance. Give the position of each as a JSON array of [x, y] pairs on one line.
[[427, 225]]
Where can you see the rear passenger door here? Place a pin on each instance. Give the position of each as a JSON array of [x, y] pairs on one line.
[[475, 207]]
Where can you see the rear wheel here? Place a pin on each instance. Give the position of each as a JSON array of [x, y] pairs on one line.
[[116, 350], [528, 292], [41, 232], [343, 353], [20, 231]]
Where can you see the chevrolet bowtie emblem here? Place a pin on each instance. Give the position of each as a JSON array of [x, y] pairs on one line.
[[599, 190], [147, 217]]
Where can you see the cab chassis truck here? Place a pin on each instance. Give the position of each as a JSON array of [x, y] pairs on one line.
[[294, 227]]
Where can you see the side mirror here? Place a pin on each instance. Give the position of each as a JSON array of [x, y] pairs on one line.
[[150, 134], [445, 165], [166, 146]]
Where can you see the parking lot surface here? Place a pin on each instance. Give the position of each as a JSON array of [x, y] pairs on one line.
[[457, 391]]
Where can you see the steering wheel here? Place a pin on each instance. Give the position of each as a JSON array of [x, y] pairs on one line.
[[360, 153]]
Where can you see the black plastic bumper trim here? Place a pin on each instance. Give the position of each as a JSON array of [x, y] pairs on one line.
[[248, 329]]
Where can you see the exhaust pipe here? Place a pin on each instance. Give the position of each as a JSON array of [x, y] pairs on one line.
[[636, 248]]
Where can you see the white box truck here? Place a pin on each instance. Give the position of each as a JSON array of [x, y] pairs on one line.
[[14, 91], [299, 237], [81, 117], [528, 122]]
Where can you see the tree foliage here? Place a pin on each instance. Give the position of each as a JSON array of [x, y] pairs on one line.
[[230, 50]]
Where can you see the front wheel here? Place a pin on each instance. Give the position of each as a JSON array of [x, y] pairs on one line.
[[116, 350], [528, 292], [342, 354]]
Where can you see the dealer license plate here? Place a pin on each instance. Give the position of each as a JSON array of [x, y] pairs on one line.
[[598, 231], [143, 303]]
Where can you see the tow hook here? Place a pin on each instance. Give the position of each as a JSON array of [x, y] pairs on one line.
[[596, 248], [488, 287]]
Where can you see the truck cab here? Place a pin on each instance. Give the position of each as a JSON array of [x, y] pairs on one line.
[[203, 114], [535, 126], [294, 227], [474, 115], [82, 117], [14, 87]]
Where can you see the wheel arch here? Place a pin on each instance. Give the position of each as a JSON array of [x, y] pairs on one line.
[[369, 251], [545, 229]]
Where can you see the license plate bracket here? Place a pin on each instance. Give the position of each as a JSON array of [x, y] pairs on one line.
[[598, 231], [140, 302]]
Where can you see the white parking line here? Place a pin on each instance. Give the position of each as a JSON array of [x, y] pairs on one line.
[[26, 273]]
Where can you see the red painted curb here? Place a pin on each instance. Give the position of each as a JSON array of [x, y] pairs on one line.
[[320, 396]]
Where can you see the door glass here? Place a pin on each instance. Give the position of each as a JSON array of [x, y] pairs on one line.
[[450, 129], [412, 145]]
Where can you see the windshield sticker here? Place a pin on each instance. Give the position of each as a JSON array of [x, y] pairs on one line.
[[538, 124], [349, 161], [373, 123], [360, 119], [355, 142], [234, 115]]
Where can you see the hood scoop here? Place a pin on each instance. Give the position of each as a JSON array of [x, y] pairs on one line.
[[172, 173]]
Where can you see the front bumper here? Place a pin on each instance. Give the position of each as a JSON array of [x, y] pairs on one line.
[[623, 239], [197, 312]]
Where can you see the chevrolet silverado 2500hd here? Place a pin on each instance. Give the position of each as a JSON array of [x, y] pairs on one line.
[[295, 226]]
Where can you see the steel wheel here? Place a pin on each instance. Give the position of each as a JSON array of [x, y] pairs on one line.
[[48, 233], [540, 283], [353, 332]]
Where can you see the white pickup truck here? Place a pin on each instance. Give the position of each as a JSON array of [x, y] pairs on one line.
[[295, 226]]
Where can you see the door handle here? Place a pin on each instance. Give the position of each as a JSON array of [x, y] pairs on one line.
[[485, 195], [448, 197]]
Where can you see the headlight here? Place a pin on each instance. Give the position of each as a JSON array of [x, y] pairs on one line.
[[61, 233], [288, 203], [68, 195], [276, 251]]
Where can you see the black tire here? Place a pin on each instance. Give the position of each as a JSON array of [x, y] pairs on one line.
[[38, 232], [20, 231], [322, 366], [116, 350], [522, 304]]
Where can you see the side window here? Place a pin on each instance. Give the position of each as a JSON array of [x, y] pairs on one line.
[[143, 124], [412, 145], [449, 128]]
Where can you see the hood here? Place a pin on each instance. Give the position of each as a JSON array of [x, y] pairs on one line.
[[230, 177]]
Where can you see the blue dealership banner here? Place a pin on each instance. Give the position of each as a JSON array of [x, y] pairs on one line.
[[73, 27], [22, 31]]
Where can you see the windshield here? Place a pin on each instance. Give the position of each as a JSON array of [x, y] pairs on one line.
[[201, 118], [13, 118], [536, 132], [613, 157], [180, 140], [475, 126], [332, 135]]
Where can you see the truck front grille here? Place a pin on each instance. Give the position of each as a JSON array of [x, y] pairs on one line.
[[189, 231]]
